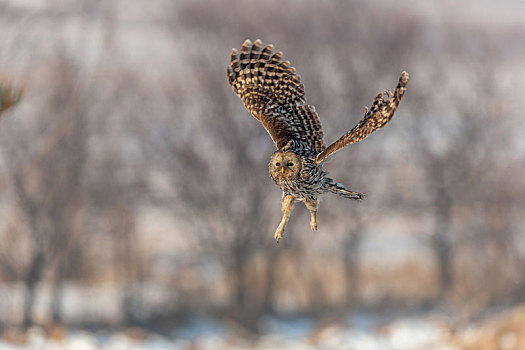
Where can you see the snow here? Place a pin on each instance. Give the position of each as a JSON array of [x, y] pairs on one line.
[[360, 331], [200, 328], [290, 328]]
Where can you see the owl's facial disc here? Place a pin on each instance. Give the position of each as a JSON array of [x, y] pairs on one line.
[[284, 166]]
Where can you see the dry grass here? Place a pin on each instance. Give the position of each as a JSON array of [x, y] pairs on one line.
[[504, 333]]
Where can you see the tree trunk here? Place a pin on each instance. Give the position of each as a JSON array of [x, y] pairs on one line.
[[240, 285], [29, 298], [441, 242], [351, 268], [269, 288], [31, 280], [57, 296]]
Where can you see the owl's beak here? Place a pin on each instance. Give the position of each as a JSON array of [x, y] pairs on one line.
[[282, 170]]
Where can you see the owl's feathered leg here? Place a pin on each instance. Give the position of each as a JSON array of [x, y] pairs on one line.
[[287, 209], [312, 207]]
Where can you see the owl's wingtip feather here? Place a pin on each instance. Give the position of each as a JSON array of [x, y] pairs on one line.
[[403, 79]]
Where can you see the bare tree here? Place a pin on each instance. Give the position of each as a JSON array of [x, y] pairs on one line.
[[46, 174], [454, 153]]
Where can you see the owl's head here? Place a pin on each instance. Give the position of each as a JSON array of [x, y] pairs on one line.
[[284, 166]]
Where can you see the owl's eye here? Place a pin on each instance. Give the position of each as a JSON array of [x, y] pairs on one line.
[[289, 164], [277, 164]]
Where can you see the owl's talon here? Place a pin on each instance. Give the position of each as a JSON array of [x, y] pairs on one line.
[[313, 226], [278, 236]]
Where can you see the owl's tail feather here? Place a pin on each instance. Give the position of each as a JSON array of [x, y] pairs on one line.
[[339, 189]]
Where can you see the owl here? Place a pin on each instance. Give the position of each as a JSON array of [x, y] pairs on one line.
[[271, 90]]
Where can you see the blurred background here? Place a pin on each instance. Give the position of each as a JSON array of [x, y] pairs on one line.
[[136, 209]]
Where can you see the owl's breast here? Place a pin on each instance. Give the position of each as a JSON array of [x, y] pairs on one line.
[[310, 183]]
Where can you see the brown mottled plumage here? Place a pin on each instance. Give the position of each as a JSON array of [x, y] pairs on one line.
[[272, 92]]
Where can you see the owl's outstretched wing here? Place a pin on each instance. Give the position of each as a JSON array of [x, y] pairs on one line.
[[273, 93], [375, 118]]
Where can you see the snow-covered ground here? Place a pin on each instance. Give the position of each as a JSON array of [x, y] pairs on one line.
[[361, 331]]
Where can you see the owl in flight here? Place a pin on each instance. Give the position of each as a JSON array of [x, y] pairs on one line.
[[272, 92]]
